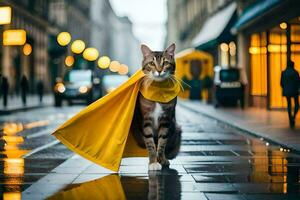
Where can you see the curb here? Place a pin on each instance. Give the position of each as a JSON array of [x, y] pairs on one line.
[[232, 125]]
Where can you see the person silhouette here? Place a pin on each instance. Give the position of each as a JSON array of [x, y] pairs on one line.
[[290, 82], [24, 89], [40, 90], [4, 90]]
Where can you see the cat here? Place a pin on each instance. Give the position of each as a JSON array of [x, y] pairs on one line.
[[154, 124]]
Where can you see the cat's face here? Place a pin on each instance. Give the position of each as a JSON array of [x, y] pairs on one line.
[[158, 65]]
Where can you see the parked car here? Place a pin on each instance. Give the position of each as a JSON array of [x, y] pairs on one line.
[[76, 85], [228, 87], [111, 82]]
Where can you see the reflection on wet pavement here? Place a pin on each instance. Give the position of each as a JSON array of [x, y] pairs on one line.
[[18, 173], [215, 162]]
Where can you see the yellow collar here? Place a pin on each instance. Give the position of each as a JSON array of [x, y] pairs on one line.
[[162, 92]]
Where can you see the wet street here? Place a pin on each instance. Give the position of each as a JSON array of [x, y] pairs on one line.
[[215, 162]]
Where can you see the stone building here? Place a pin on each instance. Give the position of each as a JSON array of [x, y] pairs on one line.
[[33, 18]]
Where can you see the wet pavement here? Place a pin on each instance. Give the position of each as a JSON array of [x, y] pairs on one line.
[[215, 162]]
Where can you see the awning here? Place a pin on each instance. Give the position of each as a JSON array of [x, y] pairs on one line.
[[253, 12], [214, 27]]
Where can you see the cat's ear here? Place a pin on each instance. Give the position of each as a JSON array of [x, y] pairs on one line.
[[171, 50], [146, 50]]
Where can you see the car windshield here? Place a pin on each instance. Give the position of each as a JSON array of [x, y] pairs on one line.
[[79, 76], [113, 80]]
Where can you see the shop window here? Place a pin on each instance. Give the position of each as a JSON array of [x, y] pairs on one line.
[[277, 49], [258, 62]]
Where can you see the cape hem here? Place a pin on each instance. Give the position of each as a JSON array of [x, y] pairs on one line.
[[83, 154]]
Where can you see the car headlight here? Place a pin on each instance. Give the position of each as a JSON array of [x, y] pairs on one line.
[[83, 89], [60, 87]]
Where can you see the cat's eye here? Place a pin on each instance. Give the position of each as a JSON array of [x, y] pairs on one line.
[[151, 63]]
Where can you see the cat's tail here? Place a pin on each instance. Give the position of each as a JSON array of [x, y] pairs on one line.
[[173, 143]]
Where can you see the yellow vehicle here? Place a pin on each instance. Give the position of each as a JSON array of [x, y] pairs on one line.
[[195, 68]]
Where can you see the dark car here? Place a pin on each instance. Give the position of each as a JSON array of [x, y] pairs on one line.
[[228, 87], [76, 85]]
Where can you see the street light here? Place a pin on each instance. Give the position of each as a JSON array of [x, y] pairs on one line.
[[103, 62], [90, 54], [69, 61], [27, 49], [123, 69], [5, 15], [63, 38], [114, 66], [14, 37], [77, 46]]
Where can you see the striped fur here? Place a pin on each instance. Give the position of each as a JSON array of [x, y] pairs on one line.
[[154, 124]]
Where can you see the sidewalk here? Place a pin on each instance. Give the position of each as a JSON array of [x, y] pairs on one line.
[[271, 125], [15, 103]]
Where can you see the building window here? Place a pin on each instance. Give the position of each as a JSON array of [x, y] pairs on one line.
[[258, 64]]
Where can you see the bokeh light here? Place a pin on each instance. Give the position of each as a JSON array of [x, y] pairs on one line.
[[64, 38], [27, 49], [103, 62], [77, 46], [69, 61], [123, 69], [114, 66], [90, 54]]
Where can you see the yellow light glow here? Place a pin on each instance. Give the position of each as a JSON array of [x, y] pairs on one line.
[[114, 66], [77, 46], [103, 62], [14, 166], [283, 25], [12, 128], [257, 50], [27, 49], [83, 89], [224, 47], [69, 61], [276, 48], [90, 54], [63, 38], [14, 37], [60, 87], [123, 69], [232, 48], [12, 195], [5, 15]]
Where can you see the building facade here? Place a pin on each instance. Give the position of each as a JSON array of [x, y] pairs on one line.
[[31, 17]]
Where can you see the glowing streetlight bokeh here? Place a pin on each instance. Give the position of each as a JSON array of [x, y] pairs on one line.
[[103, 62], [114, 66], [5, 15], [78, 46], [69, 61], [27, 49], [90, 54], [123, 69], [14, 37], [63, 38]]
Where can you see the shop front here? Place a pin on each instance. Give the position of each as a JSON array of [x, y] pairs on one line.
[[273, 39]]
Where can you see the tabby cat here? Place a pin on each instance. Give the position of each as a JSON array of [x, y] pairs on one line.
[[158, 130]]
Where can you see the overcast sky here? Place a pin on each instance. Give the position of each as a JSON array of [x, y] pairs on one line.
[[148, 18]]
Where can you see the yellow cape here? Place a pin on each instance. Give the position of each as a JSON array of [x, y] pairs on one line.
[[100, 132]]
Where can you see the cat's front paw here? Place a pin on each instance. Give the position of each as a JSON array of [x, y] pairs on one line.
[[154, 166]]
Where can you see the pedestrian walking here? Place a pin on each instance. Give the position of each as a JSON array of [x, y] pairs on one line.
[[24, 89], [4, 90], [290, 82], [40, 90]]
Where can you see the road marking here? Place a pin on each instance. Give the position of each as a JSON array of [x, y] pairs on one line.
[[41, 148], [40, 133]]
